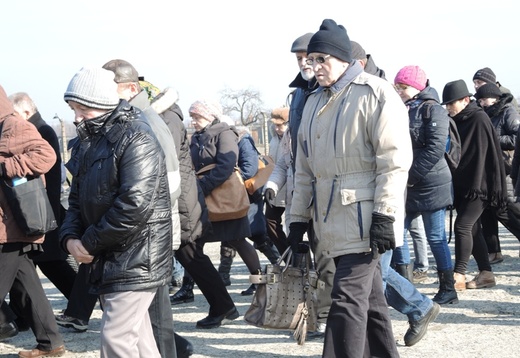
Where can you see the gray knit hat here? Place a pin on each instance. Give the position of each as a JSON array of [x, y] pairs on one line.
[[94, 88]]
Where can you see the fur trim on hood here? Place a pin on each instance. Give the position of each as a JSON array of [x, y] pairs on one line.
[[164, 100]]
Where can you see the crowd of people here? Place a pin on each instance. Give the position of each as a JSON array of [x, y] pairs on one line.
[[359, 161]]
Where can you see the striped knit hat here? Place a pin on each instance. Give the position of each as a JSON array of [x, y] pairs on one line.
[[93, 88]]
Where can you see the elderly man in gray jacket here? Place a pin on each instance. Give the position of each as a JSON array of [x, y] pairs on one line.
[[352, 167]]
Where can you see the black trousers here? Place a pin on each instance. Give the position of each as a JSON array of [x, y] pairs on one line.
[[359, 323], [508, 217], [468, 235], [19, 271], [199, 266], [60, 273], [273, 217], [81, 303]]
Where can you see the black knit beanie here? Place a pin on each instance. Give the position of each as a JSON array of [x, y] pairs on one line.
[[485, 74], [331, 39], [489, 90]]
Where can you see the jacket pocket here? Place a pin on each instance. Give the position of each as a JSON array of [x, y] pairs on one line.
[[358, 205]]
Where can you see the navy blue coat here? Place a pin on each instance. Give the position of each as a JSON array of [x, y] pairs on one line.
[[429, 178]]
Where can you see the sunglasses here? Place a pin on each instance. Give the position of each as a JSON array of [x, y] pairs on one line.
[[320, 59]]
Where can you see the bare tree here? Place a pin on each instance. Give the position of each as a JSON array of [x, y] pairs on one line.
[[247, 103]]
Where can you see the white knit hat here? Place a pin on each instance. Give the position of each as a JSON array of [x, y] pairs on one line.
[[94, 88]]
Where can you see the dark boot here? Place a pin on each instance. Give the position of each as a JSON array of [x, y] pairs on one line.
[[418, 329], [405, 271], [250, 290], [183, 347], [227, 254], [185, 293], [447, 293], [270, 251]]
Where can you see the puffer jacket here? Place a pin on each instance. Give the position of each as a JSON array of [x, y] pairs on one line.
[[429, 179], [506, 121], [354, 153], [119, 203]]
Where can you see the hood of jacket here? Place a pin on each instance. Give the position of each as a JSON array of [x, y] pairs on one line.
[[164, 100]]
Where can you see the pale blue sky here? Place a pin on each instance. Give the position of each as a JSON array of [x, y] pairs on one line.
[[200, 47]]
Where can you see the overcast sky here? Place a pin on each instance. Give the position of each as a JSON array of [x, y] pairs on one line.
[[201, 47]]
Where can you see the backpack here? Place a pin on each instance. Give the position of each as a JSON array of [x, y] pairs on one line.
[[453, 144]]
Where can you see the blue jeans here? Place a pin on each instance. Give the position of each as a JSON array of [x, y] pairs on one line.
[[177, 271], [420, 245], [401, 294], [434, 227]]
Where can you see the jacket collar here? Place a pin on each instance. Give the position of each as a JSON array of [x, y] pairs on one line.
[[352, 71], [299, 82]]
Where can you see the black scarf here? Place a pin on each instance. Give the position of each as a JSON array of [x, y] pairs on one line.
[[481, 172]]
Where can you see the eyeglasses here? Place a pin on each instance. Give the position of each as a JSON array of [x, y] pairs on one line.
[[401, 87], [319, 59]]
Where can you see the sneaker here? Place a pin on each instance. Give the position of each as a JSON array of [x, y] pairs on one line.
[[419, 276], [71, 322]]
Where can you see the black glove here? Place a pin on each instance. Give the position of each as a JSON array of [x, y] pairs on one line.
[[296, 232], [269, 196], [382, 236]]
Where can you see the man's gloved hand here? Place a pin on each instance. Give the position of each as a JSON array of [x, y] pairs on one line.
[[382, 237], [269, 196], [296, 232]]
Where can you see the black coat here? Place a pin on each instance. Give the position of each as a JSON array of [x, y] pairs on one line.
[[429, 177], [481, 172], [51, 246], [217, 143], [119, 203]]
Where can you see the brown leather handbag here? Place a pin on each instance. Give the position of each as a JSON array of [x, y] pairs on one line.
[[265, 168], [286, 296], [229, 200]]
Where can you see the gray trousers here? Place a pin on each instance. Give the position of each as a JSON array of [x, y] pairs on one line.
[[126, 330]]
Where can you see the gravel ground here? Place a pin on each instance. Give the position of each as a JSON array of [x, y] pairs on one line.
[[485, 323]]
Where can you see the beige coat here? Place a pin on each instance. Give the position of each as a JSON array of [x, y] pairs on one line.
[[354, 153]]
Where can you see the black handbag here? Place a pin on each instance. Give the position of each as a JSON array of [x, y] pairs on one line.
[[30, 205]]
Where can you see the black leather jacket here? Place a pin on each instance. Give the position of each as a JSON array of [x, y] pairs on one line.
[[119, 203]]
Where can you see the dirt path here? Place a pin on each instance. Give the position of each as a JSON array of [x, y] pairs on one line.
[[486, 323]]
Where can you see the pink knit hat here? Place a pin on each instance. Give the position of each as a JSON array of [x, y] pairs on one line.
[[412, 76]]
